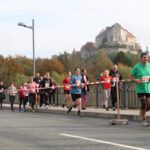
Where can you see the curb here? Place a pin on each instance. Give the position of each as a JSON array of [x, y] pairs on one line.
[[86, 113]]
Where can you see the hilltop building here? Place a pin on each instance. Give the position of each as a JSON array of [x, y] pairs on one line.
[[113, 39], [116, 38]]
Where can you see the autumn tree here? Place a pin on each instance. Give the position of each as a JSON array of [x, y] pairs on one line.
[[10, 70], [50, 65]]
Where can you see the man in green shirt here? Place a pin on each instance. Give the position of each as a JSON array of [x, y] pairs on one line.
[[140, 74]]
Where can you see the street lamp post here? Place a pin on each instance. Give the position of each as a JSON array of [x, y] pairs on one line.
[[33, 43]]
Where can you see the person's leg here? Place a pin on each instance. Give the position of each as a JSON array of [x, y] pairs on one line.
[[20, 103], [46, 98], [143, 109], [73, 102], [106, 99], [38, 99], [78, 103], [24, 103], [34, 99], [50, 98], [113, 97], [41, 99], [109, 97], [1, 103], [83, 101], [148, 102], [64, 100], [69, 100], [53, 94], [13, 100], [30, 101]]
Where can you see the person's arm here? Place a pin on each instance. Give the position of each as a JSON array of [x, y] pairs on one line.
[[137, 81]]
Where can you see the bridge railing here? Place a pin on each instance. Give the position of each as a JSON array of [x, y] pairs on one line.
[[128, 97]]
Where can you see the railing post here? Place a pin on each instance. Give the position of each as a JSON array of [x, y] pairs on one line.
[[57, 93], [124, 94], [97, 95]]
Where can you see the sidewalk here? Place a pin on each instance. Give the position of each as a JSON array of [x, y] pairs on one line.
[[129, 114]]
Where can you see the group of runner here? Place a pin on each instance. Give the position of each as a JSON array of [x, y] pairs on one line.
[[41, 90]]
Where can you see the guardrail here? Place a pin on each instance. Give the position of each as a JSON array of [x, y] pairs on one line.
[[128, 98]]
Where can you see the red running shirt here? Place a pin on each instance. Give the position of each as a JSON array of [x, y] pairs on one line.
[[66, 83], [106, 81]]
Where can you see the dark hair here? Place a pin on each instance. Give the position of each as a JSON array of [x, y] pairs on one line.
[[143, 54], [76, 69], [83, 70]]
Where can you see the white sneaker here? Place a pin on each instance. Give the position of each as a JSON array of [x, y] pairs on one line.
[[145, 123], [47, 107]]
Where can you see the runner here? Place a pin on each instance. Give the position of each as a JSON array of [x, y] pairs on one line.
[[32, 93], [66, 83], [2, 94], [76, 91], [85, 88], [140, 74], [106, 80]]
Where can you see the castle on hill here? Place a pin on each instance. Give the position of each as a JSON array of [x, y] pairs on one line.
[[117, 37], [113, 38]]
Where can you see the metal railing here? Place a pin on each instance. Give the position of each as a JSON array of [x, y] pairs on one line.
[[128, 97]]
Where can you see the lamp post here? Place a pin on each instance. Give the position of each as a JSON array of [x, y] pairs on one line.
[[30, 27]]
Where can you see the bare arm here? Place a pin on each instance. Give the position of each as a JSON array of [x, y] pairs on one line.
[[138, 81]]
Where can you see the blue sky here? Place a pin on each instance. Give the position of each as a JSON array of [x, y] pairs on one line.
[[62, 25]]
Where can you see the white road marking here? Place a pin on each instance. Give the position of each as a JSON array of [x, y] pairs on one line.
[[104, 142]]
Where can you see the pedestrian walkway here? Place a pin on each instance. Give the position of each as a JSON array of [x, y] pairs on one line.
[[129, 114]]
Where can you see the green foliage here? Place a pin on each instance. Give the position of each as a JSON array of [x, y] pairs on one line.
[[101, 62], [20, 78], [66, 60], [122, 58], [19, 68], [124, 70], [9, 70], [112, 56], [57, 77], [134, 58], [26, 64]]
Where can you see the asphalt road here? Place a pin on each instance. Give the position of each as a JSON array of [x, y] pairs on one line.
[[44, 131]]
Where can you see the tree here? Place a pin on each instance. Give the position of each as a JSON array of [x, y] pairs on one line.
[[50, 65], [101, 63], [89, 46], [66, 59], [122, 58], [26, 63], [10, 70]]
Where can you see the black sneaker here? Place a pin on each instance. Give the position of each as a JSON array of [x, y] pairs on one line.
[[83, 108], [107, 109], [103, 106], [69, 110]]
